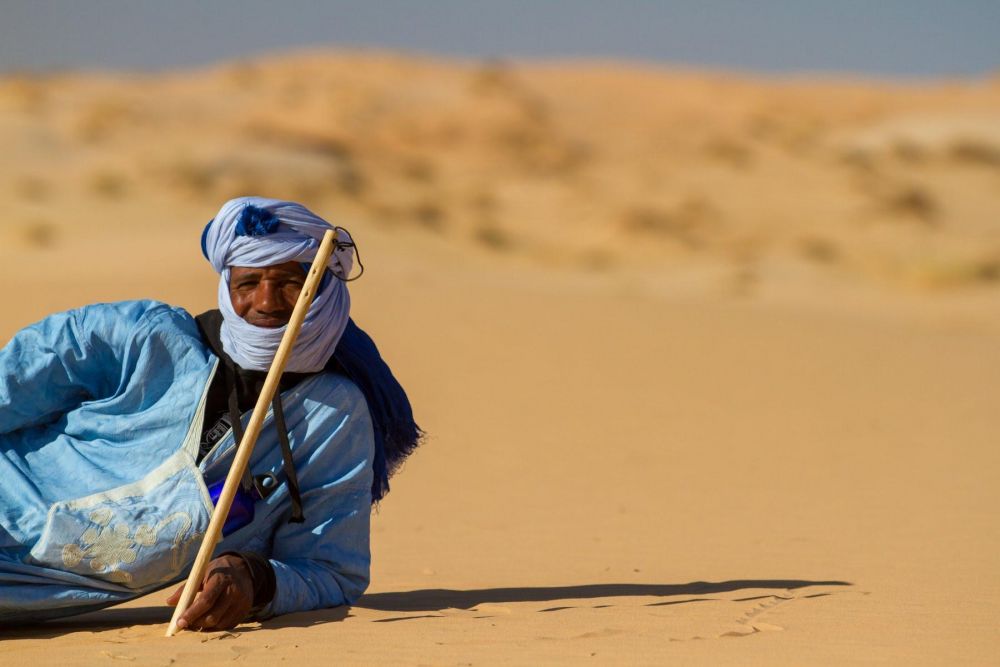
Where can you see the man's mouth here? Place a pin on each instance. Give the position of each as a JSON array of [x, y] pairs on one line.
[[268, 322]]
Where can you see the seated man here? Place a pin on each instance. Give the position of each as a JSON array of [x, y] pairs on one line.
[[118, 421]]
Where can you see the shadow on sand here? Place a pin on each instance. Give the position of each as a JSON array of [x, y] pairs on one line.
[[426, 600], [437, 599]]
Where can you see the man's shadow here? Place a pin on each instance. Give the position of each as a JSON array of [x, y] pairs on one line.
[[424, 600], [437, 599]]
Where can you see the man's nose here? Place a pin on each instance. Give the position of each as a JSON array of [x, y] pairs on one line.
[[267, 298]]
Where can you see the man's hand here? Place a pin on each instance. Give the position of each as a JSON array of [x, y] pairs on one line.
[[224, 599]]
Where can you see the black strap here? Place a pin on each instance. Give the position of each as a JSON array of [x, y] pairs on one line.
[[289, 466], [234, 417]]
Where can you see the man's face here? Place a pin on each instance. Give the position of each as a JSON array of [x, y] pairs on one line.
[[265, 296]]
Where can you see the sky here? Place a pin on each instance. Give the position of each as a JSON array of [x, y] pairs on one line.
[[877, 38]]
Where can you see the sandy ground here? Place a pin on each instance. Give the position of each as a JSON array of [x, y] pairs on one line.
[[722, 449]]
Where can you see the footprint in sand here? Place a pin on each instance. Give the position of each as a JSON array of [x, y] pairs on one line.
[[748, 625], [118, 656]]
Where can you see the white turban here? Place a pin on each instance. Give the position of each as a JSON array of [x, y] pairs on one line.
[[255, 232]]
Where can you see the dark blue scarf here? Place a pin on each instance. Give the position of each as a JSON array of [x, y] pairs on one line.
[[396, 434]]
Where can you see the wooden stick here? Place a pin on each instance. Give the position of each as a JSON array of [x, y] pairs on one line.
[[242, 458]]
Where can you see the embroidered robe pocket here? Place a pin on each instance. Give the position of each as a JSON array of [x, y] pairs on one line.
[[138, 536]]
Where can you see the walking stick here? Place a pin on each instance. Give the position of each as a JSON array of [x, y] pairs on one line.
[[245, 449]]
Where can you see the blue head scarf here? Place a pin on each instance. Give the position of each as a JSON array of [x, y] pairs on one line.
[[256, 232]]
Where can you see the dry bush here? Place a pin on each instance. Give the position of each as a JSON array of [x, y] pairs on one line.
[[820, 250], [341, 174], [539, 148], [493, 76], [976, 152], [492, 236], [37, 234], [484, 202], [299, 140], [951, 273], [349, 180], [196, 178], [763, 125], [791, 131], [293, 177], [109, 184], [100, 121], [987, 270], [858, 157], [907, 151], [914, 202], [597, 259], [497, 79], [419, 170], [729, 151], [527, 132], [429, 215], [690, 223]]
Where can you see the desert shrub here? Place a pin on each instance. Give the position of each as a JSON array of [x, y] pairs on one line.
[[954, 272], [729, 151], [100, 121], [908, 151], [36, 233], [419, 170], [913, 201], [974, 151], [108, 184], [429, 215], [858, 157], [988, 270], [492, 236], [597, 259], [197, 178], [820, 250], [349, 179], [689, 223]]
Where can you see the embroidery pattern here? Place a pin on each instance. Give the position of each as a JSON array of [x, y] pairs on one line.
[[111, 545]]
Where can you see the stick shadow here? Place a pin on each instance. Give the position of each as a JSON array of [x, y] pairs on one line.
[[119, 617], [93, 621]]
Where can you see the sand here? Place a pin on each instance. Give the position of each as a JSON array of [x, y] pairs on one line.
[[707, 383]]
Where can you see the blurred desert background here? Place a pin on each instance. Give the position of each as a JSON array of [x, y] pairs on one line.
[[708, 362]]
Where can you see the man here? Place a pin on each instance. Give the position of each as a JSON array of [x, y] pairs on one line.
[[117, 421]]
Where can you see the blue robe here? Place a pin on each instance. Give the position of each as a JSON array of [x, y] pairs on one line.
[[101, 499]]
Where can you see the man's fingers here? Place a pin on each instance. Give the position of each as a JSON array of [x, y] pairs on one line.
[[204, 601], [226, 597], [218, 617], [175, 597]]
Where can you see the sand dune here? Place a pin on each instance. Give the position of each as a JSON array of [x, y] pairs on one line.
[[708, 363]]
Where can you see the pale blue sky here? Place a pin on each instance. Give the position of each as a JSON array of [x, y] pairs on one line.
[[882, 38]]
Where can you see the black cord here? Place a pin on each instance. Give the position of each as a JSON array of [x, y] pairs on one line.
[[342, 245]]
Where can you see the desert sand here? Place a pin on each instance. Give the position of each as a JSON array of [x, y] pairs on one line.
[[708, 363]]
